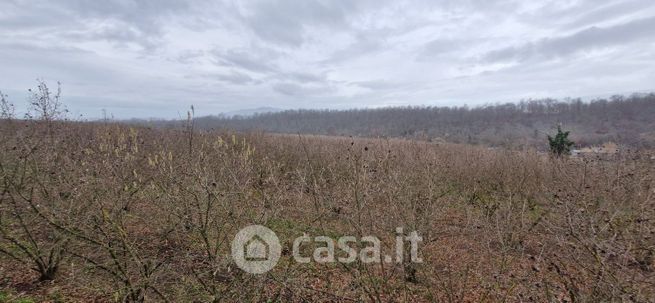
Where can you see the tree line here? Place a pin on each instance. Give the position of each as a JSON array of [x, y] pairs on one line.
[[625, 120]]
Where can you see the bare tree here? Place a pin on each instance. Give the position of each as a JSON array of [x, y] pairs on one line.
[[44, 104], [7, 109], [624, 120]]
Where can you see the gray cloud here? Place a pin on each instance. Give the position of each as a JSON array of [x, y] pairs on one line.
[[585, 40], [255, 60], [286, 21], [188, 56], [290, 89], [155, 57], [377, 84], [303, 77], [609, 12], [236, 78], [137, 22], [362, 45], [297, 90], [438, 48]]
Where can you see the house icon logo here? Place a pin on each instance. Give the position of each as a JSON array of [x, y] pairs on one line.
[[256, 249]]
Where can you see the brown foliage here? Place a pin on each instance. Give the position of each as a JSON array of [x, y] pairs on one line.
[[114, 213]]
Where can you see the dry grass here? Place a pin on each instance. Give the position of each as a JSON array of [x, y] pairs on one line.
[[110, 213]]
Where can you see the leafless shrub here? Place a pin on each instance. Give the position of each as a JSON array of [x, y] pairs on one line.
[[44, 104], [135, 214], [7, 109], [31, 189]]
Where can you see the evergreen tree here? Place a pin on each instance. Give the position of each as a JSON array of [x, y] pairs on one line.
[[560, 144]]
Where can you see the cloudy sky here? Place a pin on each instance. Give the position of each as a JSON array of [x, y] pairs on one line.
[[154, 58]]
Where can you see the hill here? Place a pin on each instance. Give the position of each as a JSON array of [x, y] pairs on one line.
[[625, 120], [95, 212]]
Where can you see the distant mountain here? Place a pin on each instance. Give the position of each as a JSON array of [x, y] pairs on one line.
[[251, 112]]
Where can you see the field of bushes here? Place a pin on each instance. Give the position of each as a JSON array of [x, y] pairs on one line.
[[111, 213]]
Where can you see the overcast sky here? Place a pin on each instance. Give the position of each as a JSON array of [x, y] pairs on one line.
[[154, 58]]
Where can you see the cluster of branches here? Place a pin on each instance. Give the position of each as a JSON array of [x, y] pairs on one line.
[[143, 214], [625, 120], [42, 104]]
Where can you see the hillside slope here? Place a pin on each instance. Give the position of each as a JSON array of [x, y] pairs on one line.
[[626, 120]]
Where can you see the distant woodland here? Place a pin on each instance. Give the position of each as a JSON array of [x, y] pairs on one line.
[[628, 121]]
